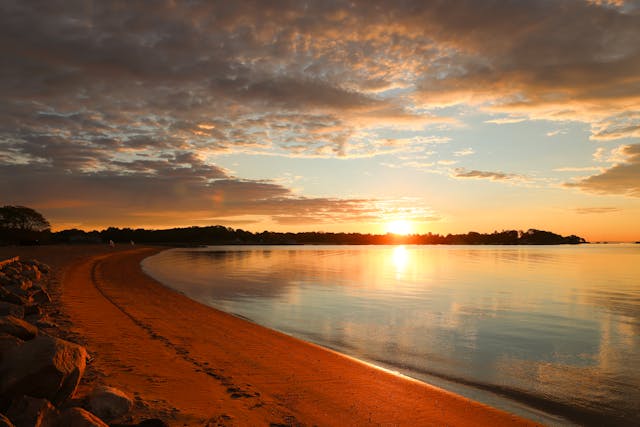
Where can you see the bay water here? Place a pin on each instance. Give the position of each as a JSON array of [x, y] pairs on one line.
[[548, 332]]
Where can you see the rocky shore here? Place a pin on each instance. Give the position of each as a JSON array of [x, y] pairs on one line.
[[40, 368]]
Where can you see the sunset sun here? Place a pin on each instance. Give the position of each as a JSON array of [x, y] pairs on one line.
[[399, 226]]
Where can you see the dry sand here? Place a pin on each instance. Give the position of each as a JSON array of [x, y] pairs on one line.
[[192, 365]]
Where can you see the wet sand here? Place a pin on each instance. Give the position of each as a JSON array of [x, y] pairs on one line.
[[191, 365]]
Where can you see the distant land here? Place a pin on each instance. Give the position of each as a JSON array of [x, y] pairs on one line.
[[24, 225], [220, 235]]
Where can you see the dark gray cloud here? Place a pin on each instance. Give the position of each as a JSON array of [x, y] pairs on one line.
[[622, 178], [163, 193]]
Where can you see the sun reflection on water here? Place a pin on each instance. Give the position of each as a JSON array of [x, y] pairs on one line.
[[400, 259]]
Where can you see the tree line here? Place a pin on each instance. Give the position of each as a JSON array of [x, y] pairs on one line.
[[19, 224]]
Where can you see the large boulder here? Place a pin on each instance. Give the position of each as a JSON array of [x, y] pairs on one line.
[[109, 403], [8, 309], [29, 411], [45, 367], [78, 417], [17, 327]]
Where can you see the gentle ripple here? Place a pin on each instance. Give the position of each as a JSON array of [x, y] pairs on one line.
[[525, 328]]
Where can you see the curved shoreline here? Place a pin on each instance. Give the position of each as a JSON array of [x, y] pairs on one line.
[[192, 364]]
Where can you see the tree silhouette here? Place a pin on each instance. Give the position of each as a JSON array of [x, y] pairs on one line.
[[22, 218], [20, 224]]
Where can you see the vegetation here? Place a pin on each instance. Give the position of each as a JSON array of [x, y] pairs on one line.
[[20, 224], [224, 235]]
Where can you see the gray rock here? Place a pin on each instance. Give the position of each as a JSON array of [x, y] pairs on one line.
[[44, 367], [5, 422], [109, 403], [32, 412], [8, 309], [78, 417], [17, 327]]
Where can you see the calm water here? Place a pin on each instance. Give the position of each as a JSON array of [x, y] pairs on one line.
[[535, 330]]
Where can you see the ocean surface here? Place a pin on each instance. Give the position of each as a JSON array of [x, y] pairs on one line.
[[548, 332]]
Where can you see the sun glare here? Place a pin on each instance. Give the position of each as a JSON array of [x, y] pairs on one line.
[[400, 226]]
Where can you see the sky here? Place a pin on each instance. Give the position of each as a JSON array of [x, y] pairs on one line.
[[452, 116]]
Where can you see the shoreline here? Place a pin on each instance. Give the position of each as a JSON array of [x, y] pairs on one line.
[[190, 364]]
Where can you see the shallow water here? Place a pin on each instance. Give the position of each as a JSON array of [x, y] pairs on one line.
[[535, 330]]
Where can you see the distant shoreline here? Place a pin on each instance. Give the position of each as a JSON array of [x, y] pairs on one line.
[[219, 235]]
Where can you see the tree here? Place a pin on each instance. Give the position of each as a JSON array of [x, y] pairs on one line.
[[22, 218]]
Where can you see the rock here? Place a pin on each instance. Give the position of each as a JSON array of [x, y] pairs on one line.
[[31, 272], [109, 403], [45, 323], [8, 296], [4, 422], [24, 284], [78, 417], [153, 422], [8, 309], [32, 309], [8, 343], [44, 268], [19, 290], [44, 367], [17, 327], [11, 271], [41, 297], [32, 412]]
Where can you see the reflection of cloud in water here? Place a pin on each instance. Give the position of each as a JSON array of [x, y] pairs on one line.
[[534, 321]]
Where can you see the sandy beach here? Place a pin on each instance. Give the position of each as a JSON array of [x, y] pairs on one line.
[[189, 364]]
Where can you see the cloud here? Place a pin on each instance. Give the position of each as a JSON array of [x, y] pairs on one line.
[[624, 125], [577, 169], [506, 120], [165, 193], [596, 210], [131, 75], [541, 60], [477, 174], [622, 178], [465, 152], [100, 95], [556, 132]]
